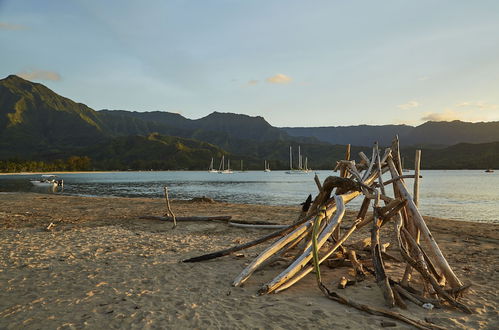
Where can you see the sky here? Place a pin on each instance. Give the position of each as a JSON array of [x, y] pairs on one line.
[[296, 63]]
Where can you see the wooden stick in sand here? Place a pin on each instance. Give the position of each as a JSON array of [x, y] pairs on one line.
[[169, 211], [417, 165]]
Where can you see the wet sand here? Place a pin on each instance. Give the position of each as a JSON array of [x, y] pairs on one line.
[[103, 267]]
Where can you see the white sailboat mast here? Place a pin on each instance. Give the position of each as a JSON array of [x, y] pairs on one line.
[[221, 167], [299, 159], [290, 157]]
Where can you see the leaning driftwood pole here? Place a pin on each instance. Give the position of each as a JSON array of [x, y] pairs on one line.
[[305, 271], [246, 245], [267, 253], [435, 251], [302, 261]]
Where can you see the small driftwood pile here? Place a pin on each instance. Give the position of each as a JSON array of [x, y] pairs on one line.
[[319, 222]]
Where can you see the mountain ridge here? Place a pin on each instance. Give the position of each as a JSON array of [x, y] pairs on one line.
[[38, 124]]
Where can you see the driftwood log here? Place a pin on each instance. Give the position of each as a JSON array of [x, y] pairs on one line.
[[319, 222]]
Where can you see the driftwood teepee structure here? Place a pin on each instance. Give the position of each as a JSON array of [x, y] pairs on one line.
[[319, 222]]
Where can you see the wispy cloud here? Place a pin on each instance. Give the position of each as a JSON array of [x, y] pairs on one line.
[[253, 82], [447, 115], [40, 75], [279, 79], [409, 105], [478, 105], [13, 27], [466, 111]]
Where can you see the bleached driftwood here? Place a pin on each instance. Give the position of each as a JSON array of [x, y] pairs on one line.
[[417, 166], [301, 261], [319, 221], [434, 250]]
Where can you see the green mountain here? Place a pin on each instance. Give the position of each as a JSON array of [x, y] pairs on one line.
[[451, 133], [154, 151], [459, 156], [430, 134], [36, 124], [230, 125], [361, 135], [36, 121]]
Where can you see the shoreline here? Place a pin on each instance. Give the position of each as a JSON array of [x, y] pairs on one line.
[[492, 222], [102, 264]]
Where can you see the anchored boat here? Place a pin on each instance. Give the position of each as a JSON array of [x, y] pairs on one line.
[[48, 181]]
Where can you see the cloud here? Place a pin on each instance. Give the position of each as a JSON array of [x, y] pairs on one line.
[[253, 82], [478, 105], [409, 105], [40, 75], [12, 27], [466, 111], [447, 115], [279, 79]]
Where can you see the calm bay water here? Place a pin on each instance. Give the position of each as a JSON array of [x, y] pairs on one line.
[[459, 195]]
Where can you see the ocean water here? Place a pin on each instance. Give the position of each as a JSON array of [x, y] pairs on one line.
[[470, 195]]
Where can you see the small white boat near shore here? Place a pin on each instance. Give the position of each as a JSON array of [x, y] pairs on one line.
[[48, 181]]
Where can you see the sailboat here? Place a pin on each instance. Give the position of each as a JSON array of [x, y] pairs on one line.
[[266, 167], [211, 169], [241, 171], [222, 169], [300, 170], [305, 168]]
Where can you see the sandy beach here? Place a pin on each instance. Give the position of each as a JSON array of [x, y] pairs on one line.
[[103, 267]]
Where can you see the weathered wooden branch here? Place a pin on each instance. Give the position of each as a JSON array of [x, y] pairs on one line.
[[326, 255], [342, 185], [301, 261], [417, 166], [255, 226], [377, 311], [317, 182], [193, 218], [379, 267], [169, 211], [243, 246], [360, 275], [420, 266], [400, 177], [434, 250], [268, 252]]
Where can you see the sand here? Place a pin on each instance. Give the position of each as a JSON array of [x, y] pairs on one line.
[[103, 267]]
